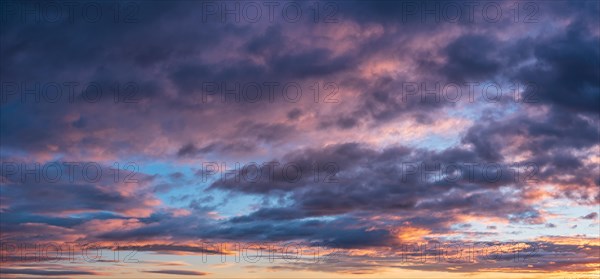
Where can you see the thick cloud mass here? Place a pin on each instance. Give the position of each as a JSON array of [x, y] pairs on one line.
[[339, 134]]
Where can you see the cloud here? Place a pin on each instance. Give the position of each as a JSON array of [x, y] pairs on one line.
[[379, 169], [177, 272], [48, 272], [590, 216]]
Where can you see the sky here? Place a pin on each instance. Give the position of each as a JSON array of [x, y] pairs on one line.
[[300, 139]]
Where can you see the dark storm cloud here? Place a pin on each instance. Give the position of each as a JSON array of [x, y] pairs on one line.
[[33, 52], [66, 197], [159, 66], [392, 180], [316, 62], [14, 218], [554, 130], [336, 233], [566, 69], [551, 139], [270, 214], [471, 56], [61, 202], [590, 216], [233, 147], [565, 72], [107, 53]]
